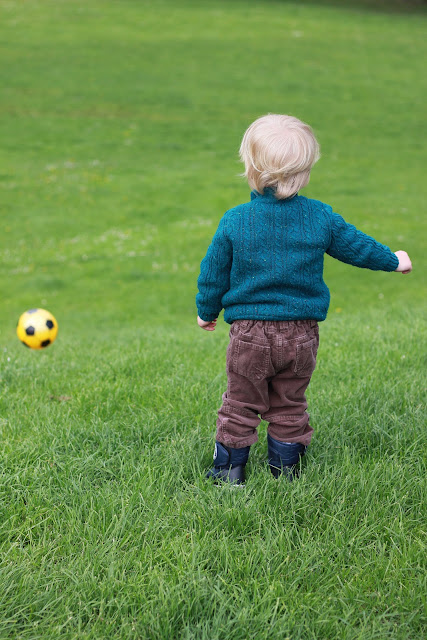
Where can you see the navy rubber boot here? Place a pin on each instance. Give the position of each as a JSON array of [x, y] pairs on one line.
[[284, 457], [229, 464]]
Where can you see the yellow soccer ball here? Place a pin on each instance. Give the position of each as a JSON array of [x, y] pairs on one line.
[[37, 328]]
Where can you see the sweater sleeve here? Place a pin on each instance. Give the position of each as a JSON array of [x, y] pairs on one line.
[[354, 247], [214, 279]]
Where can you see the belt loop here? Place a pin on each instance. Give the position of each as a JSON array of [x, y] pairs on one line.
[[268, 328]]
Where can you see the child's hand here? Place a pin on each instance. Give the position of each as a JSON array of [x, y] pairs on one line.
[[207, 326], [405, 264]]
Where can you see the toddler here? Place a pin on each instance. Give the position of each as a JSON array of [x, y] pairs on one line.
[[264, 267]]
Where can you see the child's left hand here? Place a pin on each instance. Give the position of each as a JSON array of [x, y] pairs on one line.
[[207, 326]]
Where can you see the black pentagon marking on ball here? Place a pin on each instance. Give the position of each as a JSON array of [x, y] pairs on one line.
[[32, 310], [45, 343], [49, 324], [25, 344], [30, 331]]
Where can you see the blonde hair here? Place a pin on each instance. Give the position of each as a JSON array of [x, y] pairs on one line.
[[279, 152]]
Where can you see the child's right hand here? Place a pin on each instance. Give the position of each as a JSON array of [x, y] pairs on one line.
[[405, 264], [207, 326]]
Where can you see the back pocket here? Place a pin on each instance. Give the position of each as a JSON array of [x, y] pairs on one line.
[[250, 359], [305, 361]]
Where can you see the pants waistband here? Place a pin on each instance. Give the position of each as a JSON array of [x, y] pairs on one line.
[[277, 324]]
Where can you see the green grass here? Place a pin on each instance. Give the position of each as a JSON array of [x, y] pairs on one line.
[[120, 124]]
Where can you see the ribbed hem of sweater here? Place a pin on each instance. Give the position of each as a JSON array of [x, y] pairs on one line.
[[270, 312]]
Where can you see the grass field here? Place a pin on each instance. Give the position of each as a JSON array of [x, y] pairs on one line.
[[120, 124]]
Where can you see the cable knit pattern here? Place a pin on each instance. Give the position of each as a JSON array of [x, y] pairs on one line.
[[265, 261]]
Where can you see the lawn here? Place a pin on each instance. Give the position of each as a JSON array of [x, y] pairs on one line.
[[119, 125]]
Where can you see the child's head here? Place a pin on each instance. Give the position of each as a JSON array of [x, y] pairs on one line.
[[278, 152]]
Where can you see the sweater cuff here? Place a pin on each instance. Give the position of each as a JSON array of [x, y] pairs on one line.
[[392, 262], [207, 317]]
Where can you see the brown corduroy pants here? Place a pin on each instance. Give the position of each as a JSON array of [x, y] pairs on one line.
[[269, 366]]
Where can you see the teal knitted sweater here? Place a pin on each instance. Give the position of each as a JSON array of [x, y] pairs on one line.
[[265, 261]]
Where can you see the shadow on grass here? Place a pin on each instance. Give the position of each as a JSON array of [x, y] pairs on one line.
[[377, 6]]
